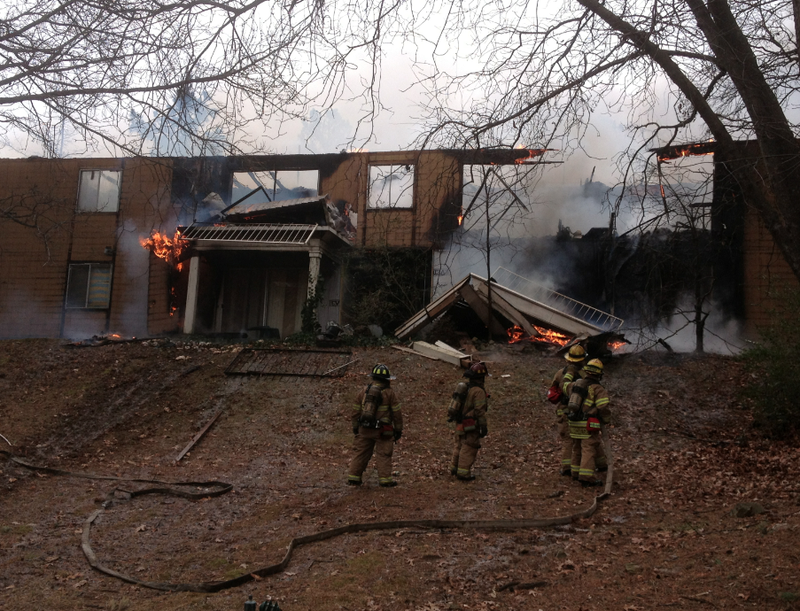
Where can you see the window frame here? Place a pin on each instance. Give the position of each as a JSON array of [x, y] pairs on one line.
[[85, 193], [270, 191], [69, 295], [392, 203]]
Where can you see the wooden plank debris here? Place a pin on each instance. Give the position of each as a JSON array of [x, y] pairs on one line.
[[506, 309], [449, 356], [481, 308], [410, 351], [199, 435]]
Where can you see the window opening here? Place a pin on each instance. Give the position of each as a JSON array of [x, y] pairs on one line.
[[391, 186], [274, 186], [89, 286]]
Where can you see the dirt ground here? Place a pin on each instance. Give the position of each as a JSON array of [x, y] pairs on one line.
[[675, 533]]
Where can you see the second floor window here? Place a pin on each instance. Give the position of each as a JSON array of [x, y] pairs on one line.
[[99, 191], [391, 186]]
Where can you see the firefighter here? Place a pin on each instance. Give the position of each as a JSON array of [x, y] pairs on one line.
[[470, 420], [588, 407], [560, 396], [377, 424]]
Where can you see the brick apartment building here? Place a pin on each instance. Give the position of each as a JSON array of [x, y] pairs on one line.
[[260, 231], [72, 263]]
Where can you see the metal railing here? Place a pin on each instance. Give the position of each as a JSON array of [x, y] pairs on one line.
[[562, 303]]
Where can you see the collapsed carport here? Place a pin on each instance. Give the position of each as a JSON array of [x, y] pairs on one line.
[[512, 306]]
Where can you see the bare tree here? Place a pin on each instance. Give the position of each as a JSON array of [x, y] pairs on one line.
[[680, 70], [87, 71], [675, 248]]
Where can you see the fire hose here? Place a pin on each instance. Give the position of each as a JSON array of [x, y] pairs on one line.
[[217, 488]]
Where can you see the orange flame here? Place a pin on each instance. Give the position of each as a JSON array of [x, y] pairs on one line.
[[532, 153], [701, 148], [515, 334], [613, 345], [164, 247], [546, 336], [460, 219]]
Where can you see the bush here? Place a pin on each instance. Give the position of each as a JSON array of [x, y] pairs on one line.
[[386, 286], [774, 365]]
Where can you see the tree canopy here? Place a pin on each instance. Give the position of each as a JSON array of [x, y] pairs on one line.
[[502, 73]]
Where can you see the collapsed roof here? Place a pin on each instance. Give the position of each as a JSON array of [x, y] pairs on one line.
[[518, 300]]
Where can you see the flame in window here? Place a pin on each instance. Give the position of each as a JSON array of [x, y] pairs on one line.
[[164, 247]]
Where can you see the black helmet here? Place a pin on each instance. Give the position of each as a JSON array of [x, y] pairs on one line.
[[381, 372], [477, 370]]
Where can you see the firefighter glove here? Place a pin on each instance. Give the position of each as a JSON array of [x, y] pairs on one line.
[[483, 430], [398, 435]]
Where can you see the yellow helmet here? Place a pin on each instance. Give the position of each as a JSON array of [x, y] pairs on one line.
[[594, 367], [576, 354]]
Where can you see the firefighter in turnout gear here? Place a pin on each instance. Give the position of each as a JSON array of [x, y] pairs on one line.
[[588, 407], [559, 395], [468, 411], [377, 424]]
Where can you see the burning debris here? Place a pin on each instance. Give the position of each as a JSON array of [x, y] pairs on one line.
[[101, 340], [597, 346], [514, 307], [532, 154], [676, 152], [544, 336]]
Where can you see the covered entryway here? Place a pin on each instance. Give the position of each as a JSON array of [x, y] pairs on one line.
[[255, 277]]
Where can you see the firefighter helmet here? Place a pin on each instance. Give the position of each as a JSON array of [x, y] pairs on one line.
[[477, 370], [594, 368], [576, 354], [381, 372]]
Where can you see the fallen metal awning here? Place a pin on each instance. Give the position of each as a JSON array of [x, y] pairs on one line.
[[566, 305], [527, 303], [277, 362]]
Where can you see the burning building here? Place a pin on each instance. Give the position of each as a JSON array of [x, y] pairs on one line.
[[239, 245], [90, 245]]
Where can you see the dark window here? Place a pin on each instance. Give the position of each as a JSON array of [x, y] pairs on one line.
[[89, 286]]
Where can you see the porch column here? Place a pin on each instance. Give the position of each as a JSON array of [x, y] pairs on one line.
[[314, 260], [191, 295]]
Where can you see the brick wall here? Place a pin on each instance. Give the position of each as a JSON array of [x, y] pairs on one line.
[[34, 249], [437, 181], [48, 234], [766, 273]]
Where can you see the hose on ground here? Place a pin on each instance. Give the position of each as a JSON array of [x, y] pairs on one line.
[[217, 488]]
